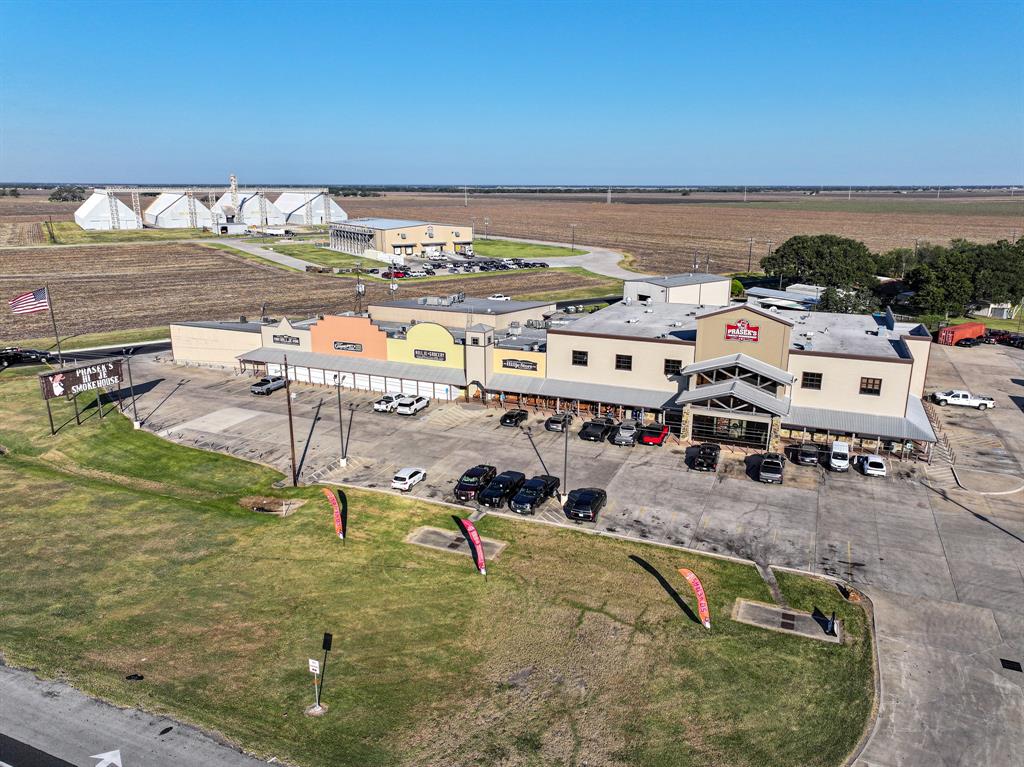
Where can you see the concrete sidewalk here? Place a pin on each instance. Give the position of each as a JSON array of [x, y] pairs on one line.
[[66, 724]]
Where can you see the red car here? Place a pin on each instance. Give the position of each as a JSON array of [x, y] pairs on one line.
[[654, 434]]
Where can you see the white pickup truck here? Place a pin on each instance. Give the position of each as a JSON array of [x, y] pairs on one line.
[[964, 398]]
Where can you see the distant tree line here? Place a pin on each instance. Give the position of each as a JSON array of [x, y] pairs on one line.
[[944, 279], [337, 191], [68, 194], [12, 192]]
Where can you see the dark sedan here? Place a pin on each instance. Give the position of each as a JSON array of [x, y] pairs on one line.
[[558, 422], [598, 429], [514, 417], [807, 455], [583, 504], [968, 342], [501, 489], [707, 457], [473, 481], [533, 493]]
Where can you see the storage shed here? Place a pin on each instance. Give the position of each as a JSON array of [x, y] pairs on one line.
[[293, 205], [101, 211], [170, 210]]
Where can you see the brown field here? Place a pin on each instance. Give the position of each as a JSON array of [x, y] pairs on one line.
[[22, 233], [662, 230], [33, 207], [113, 287]]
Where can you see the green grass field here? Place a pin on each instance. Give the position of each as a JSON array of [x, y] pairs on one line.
[[87, 340], [1014, 325], [70, 233], [896, 205], [529, 251], [323, 256], [121, 553]]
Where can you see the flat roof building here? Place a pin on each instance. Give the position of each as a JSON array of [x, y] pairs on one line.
[[392, 239]]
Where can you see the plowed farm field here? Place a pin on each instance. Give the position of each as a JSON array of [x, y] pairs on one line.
[[663, 231], [113, 287]]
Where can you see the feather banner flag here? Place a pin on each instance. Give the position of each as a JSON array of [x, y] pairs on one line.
[[475, 544], [702, 599], [339, 504]]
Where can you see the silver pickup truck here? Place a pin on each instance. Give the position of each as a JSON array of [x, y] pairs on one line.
[[963, 398], [267, 385]]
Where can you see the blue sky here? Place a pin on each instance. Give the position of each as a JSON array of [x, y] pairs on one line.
[[487, 92]]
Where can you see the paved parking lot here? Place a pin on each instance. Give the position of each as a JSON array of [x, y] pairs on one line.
[[944, 567]]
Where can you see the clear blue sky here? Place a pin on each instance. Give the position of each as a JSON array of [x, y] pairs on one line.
[[487, 92]]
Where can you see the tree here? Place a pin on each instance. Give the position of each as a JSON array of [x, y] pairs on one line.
[[822, 259], [67, 194], [14, 192], [3, 191]]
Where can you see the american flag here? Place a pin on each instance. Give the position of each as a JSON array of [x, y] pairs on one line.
[[29, 303]]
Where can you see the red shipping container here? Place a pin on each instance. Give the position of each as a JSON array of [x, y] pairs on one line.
[[950, 334]]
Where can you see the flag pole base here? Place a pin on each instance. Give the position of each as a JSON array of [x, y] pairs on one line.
[[316, 710], [137, 424], [343, 462]]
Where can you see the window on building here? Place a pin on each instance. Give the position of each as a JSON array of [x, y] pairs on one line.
[[623, 362], [872, 386], [810, 381], [579, 358], [673, 367], [398, 250], [476, 341]]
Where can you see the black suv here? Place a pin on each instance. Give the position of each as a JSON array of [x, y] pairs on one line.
[[807, 455], [473, 481], [707, 457], [533, 493], [598, 429], [514, 417], [583, 504], [501, 488]]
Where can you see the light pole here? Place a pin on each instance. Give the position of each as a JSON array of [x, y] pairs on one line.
[[341, 433], [565, 464], [572, 227], [348, 434], [131, 386], [291, 428], [750, 253]]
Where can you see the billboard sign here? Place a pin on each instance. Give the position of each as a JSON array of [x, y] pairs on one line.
[[519, 364], [742, 330], [347, 346], [68, 382], [287, 340]]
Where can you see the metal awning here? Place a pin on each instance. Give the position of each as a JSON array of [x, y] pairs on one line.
[[583, 392], [404, 370], [744, 361], [756, 397], [914, 426]]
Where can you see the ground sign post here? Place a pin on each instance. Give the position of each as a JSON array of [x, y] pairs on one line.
[[71, 381]]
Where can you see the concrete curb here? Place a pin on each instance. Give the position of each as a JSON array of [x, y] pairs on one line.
[[986, 492]]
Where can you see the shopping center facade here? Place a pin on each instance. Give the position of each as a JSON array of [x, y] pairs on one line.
[[728, 372]]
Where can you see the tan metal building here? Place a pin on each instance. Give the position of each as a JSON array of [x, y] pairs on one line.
[[397, 239]]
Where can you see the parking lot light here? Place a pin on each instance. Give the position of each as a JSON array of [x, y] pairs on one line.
[[343, 460], [564, 495]]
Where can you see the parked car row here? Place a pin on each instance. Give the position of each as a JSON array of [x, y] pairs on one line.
[[403, 404], [482, 483], [837, 458]]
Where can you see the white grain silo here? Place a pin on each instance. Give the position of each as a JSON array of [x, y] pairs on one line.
[[293, 205], [104, 211], [174, 210], [252, 210]]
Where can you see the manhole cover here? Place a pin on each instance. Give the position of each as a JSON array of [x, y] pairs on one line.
[[1011, 665], [454, 544]]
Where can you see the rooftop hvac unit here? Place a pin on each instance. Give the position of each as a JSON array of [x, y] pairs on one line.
[[514, 331], [627, 301], [677, 324], [514, 324], [648, 311], [535, 347], [648, 302], [632, 320]]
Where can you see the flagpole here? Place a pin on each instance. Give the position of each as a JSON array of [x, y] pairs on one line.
[[53, 319]]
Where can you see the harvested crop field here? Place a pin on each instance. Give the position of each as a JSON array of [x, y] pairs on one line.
[[33, 207], [22, 233], [663, 231], [112, 287]]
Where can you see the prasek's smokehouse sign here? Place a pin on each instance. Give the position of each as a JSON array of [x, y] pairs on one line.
[[742, 331], [347, 346], [424, 354], [289, 340], [519, 364], [71, 381]]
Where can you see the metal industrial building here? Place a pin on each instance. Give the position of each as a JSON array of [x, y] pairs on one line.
[[719, 371], [104, 211], [177, 210], [307, 209], [395, 239]]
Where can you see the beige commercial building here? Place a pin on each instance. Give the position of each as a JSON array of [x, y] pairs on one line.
[[725, 372], [397, 239], [693, 288]]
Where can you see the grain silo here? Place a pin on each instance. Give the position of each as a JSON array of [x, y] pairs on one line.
[[177, 210], [254, 209], [104, 211], [296, 205]]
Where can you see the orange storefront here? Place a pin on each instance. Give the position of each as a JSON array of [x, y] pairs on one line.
[[349, 337]]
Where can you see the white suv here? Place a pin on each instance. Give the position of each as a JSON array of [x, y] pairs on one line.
[[839, 458], [411, 405], [387, 403], [873, 465], [404, 479]]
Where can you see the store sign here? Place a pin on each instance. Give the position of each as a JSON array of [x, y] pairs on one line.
[[347, 346], [742, 331], [288, 340], [519, 364], [68, 382], [425, 354]]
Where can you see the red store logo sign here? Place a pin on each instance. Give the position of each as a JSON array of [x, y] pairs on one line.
[[742, 331]]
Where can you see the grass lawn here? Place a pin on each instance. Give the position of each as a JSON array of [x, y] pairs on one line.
[[529, 251], [86, 340], [1013, 325], [70, 233], [897, 205], [249, 256], [323, 256], [121, 553]]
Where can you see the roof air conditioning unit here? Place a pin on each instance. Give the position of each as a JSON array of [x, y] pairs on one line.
[[677, 324], [648, 311], [632, 320], [627, 301]]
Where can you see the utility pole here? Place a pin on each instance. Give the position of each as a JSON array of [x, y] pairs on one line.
[[750, 254], [291, 428], [572, 228], [707, 261], [770, 243], [487, 223], [565, 464], [744, 193], [131, 386], [341, 433], [465, 198], [348, 434]]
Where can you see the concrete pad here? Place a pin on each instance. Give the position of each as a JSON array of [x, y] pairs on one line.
[[453, 542], [785, 621], [220, 420]]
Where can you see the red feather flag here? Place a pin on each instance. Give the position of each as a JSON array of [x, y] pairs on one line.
[[702, 599], [475, 544], [339, 517]]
